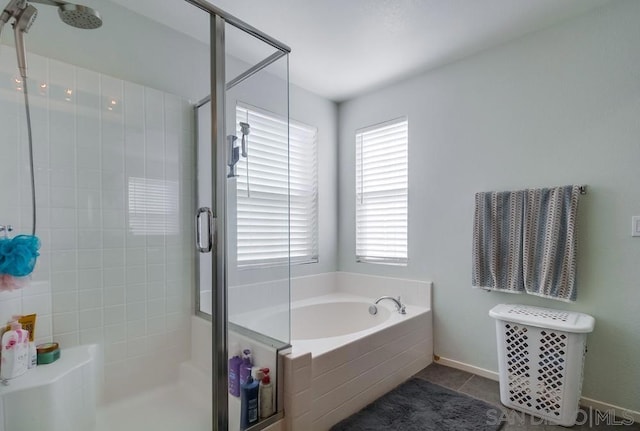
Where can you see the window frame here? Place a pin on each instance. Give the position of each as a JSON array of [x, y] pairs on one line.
[[362, 256]]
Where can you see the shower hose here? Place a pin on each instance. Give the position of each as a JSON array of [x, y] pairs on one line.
[[31, 170]]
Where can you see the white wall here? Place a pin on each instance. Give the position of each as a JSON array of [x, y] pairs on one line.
[[557, 107], [314, 110]]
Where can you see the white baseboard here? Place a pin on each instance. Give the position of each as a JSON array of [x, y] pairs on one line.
[[491, 375], [620, 412]]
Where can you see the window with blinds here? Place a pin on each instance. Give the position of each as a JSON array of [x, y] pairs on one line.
[[381, 193], [277, 185]]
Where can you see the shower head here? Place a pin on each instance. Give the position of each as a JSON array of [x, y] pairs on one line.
[[245, 128], [24, 20], [75, 15], [79, 16]]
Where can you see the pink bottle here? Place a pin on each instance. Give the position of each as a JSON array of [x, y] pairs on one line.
[[14, 353]]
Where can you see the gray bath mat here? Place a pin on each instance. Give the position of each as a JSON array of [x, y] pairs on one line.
[[418, 405]]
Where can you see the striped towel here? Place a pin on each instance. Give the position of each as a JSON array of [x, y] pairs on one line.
[[525, 241], [497, 241], [549, 242]]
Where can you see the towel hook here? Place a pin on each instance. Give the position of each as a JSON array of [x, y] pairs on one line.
[[583, 190]]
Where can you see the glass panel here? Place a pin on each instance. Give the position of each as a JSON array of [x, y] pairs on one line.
[[258, 290], [113, 142]]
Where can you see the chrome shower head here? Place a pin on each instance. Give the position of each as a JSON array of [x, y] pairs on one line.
[[245, 128], [79, 16], [75, 15], [25, 18]]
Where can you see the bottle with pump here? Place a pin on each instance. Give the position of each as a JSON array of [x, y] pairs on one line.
[[266, 395], [235, 361], [248, 403], [14, 354], [245, 367]]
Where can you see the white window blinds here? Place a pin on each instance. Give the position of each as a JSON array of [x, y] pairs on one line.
[[381, 193], [278, 173]]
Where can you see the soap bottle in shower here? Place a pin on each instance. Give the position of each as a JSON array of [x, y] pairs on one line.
[[266, 395], [235, 361], [245, 367], [14, 354], [248, 403]]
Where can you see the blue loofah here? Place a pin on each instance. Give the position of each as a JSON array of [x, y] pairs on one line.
[[18, 255]]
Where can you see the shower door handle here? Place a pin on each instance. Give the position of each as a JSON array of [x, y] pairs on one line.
[[210, 236]]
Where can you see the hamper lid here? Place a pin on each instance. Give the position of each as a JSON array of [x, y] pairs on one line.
[[560, 320]]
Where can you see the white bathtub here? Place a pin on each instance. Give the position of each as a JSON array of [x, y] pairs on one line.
[[325, 323], [334, 318], [343, 358]]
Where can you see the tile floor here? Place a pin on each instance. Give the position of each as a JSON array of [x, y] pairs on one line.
[[488, 390]]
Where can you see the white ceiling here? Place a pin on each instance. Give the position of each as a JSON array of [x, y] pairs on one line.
[[343, 48]]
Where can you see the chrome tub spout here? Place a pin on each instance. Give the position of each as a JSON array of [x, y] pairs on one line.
[[400, 307]]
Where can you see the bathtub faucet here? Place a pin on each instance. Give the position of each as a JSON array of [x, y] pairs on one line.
[[400, 307]]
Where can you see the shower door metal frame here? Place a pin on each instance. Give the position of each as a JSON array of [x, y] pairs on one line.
[[219, 320]]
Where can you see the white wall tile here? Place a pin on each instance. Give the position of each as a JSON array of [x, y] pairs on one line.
[[136, 256], [113, 277], [91, 335], [64, 281], [136, 311], [136, 274], [63, 239], [65, 322], [90, 259], [65, 302], [64, 260], [136, 329], [90, 318], [156, 307], [89, 239], [95, 282], [136, 293], [89, 299], [37, 288], [89, 199], [89, 279], [113, 238], [39, 304], [114, 314], [115, 333], [89, 157], [70, 339], [113, 258]]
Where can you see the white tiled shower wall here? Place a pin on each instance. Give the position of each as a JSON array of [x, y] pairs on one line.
[[98, 281]]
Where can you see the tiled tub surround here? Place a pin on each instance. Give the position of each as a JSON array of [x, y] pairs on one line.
[[328, 379], [111, 271]]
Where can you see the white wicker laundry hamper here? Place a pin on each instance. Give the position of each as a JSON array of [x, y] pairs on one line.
[[540, 360]]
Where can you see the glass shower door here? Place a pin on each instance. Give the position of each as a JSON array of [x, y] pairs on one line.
[[242, 222]]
